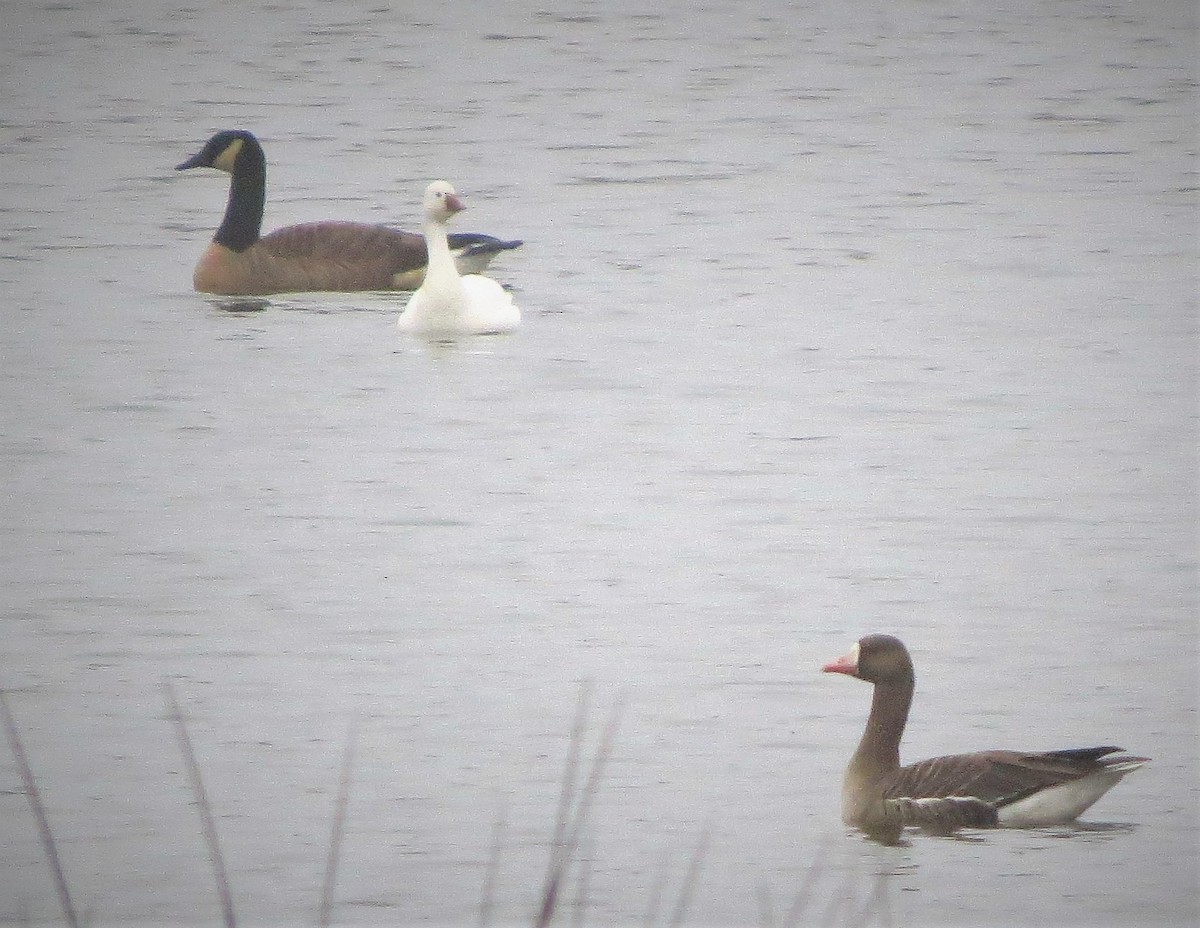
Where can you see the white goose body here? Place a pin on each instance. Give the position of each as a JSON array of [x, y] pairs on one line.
[[448, 304]]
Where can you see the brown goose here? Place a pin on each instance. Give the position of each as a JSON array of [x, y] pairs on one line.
[[984, 790], [335, 256]]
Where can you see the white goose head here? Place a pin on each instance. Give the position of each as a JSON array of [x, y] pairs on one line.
[[441, 202]]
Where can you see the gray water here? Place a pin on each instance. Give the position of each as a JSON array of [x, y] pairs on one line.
[[838, 319]]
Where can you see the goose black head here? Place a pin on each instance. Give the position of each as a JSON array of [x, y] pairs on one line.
[[222, 151]]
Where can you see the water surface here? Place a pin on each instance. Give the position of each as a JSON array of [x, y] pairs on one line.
[[836, 322]]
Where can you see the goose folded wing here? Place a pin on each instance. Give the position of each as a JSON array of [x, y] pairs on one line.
[[958, 791], [942, 814], [348, 243], [996, 778], [341, 255], [476, 244]]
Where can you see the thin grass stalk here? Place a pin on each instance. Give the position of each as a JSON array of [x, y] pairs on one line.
[[654, 903], [804, 893], [488, 895], [338, 830], [39, 811], [566, 793], [560, 861], [202, 803], [579, 906], [566, 796], [877, 903], [689, 878], [766, 906], [841, 904], [591, 786]]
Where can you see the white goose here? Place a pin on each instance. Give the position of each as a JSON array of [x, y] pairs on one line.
[[448, 304]]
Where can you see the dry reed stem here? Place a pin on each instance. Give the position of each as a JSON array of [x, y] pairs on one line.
[[338, 830], [566, 792], [877, 901], [690, 876], [202, 803], [804, 893], [657, 889], [488, 893], [579, 905], [567, 834], [39, 811], [766, 906]]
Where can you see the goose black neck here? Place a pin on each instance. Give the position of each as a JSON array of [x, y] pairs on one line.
[[247, 193]]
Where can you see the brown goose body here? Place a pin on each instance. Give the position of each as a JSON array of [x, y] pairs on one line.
[[331, 256], [986, 789]]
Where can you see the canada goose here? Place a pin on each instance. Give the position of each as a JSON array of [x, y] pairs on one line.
[[336, 256], [987, 789], [449, 304]]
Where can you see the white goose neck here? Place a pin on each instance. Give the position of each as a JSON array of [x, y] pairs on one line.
[[441, 270], [439, 246]]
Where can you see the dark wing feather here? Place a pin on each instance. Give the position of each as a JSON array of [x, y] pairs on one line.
[[995, 777], [1083, 755], [476, 243], [990, 776]]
